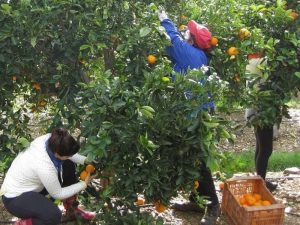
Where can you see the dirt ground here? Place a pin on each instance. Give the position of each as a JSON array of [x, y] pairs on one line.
[[288, 191]]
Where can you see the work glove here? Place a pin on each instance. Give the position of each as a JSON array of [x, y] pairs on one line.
[[162, 15]]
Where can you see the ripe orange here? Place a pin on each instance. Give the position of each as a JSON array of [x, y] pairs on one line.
[[266, 203], [33, 109], [196, 184], [83, 175], [242, 200], [37, 86], [257, 197], [221, 186], [159, 207], [293, 15], [151, 59], [214, 41], [90, 168], [250, 200], [257, 204], [232, 51], [140, 201]]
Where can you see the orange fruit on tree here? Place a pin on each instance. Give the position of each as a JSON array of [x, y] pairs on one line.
[[14, 77], [214, 41], [159, 207], [140, 201], [293, 15], [83, 175], [196, 184], [33, 109], [232, 51], [151, 59], [37, 86], [90, 168]]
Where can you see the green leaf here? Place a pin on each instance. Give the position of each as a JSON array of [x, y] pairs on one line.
[[24, 142], [82, 47], [33, 41], [297, 74], [148, 108], [145, 113], [6, 7], [210, 124], [126, 5], [225, 133], [144, 31]]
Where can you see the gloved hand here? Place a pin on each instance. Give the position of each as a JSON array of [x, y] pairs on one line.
[[162, 15]]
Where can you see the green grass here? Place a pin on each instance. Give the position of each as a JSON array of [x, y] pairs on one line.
[[294, 103], [244, 162]]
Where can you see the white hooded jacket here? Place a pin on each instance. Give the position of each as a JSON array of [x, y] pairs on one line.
[[33, 170]]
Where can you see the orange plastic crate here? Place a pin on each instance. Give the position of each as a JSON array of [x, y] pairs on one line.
[[253, 215]]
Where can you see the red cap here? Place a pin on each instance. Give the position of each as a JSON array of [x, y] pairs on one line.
[[201, 34]]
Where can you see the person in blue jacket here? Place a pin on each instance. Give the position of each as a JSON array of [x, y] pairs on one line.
[[188, 52]]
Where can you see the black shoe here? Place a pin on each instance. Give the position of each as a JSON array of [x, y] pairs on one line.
[[212, 212], [189, 206], [271, 186]]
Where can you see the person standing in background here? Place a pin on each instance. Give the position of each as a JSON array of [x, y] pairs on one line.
[[188, 52]]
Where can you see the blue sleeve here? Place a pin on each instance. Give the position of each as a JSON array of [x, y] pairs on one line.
[[171, 30], [176, 39], [183, 55]]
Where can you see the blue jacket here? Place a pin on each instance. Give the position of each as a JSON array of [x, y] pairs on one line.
[[185, 56]]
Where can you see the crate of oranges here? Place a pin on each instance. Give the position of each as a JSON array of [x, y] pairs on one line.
[[246, 201]]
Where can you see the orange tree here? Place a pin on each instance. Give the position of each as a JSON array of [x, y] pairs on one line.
[[272, 30], [88, 60]]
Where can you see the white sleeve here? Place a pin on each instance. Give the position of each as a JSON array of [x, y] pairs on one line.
[[77, 158], [49, 179]]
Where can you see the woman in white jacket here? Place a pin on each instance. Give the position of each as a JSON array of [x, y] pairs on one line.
[[45, 167]]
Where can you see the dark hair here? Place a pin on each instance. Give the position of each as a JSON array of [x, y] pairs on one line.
[[62, 143]]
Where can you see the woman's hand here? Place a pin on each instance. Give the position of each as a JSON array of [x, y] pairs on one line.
[[89, 178]]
